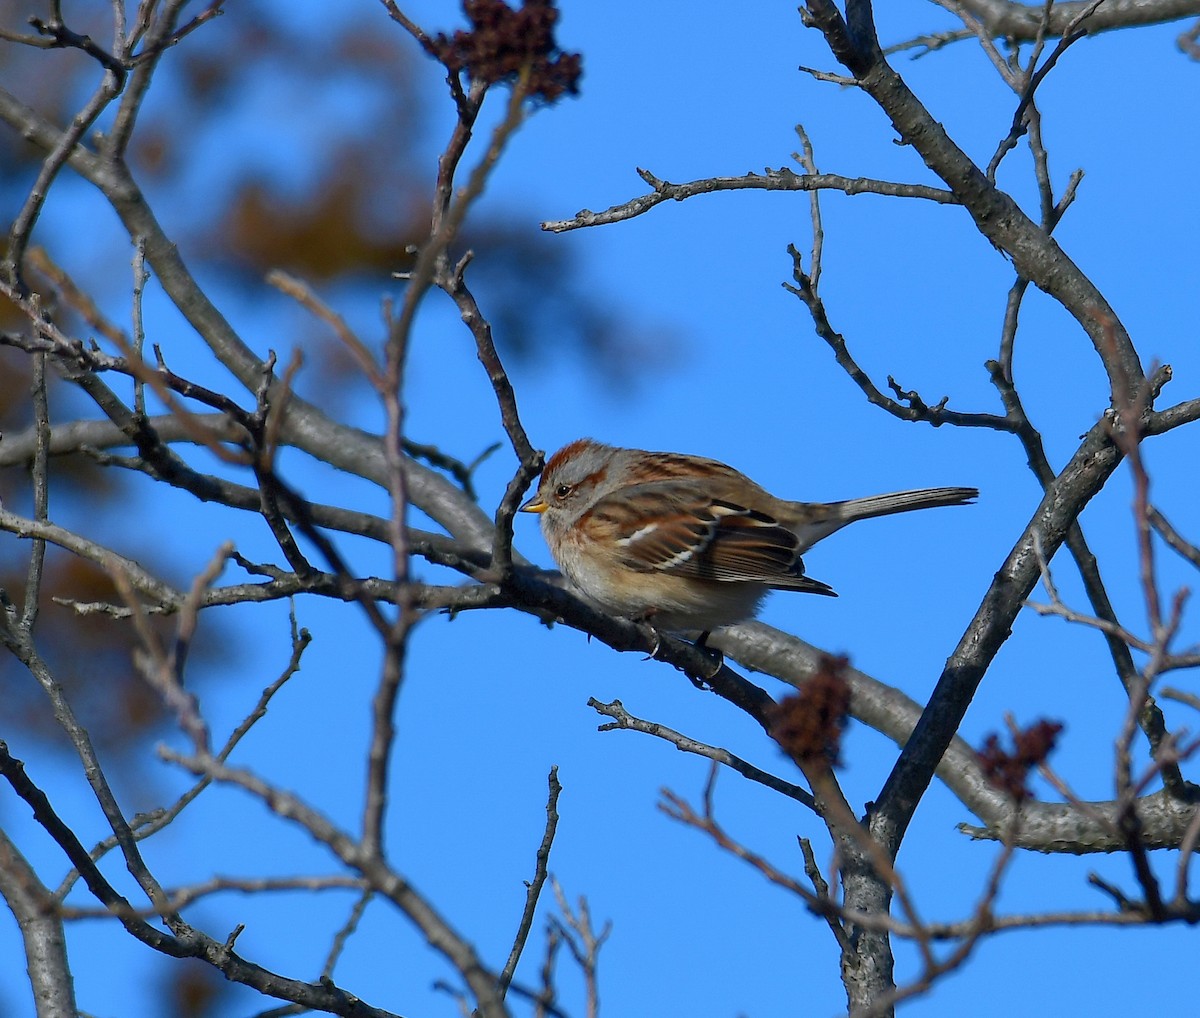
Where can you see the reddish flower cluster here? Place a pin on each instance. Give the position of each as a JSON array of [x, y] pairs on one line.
[[1009, 771], [502, 41], [808, 726]]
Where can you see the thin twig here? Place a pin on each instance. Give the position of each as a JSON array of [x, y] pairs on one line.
[[781, 179], [41, 491], [534, 887], [806, 158], [917, 409], [583, 942], [622, 719], [1174, 539]]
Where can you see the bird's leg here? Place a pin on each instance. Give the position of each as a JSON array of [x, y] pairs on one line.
[[699, 680], [655, 640], [716, 656]]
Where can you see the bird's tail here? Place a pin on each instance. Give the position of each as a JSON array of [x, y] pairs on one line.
[[813, 521], [899, 502]]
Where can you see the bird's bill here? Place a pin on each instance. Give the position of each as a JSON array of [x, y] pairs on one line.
[[535, 505]]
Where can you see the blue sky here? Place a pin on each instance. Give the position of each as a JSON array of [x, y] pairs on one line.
[[733, 371]]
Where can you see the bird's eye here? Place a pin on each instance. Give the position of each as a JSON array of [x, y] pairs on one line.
[[562, 491]]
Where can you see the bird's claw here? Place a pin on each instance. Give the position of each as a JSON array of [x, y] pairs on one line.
[[716, 661], [700, 679], [655, 643]]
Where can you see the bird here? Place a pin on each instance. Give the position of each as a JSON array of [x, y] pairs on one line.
[[686, 543]]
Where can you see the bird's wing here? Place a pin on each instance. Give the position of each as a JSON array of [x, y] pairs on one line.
[[674, 527]]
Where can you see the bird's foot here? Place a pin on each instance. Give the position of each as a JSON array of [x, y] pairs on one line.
[[716, 661], [654, 637]]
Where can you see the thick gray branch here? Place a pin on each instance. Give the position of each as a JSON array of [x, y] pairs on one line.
[[1023, 22], [1086, 473], [1044, 826], [42, 932]]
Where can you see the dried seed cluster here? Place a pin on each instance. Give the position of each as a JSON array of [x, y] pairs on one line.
[[1009, 771], [502, 41], [808, 726]]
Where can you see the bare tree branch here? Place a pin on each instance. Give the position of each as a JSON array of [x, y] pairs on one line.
[[1007, 19], [41, 930], [782, 179]]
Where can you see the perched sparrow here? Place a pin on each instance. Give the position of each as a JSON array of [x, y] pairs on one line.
[[687, 543]]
